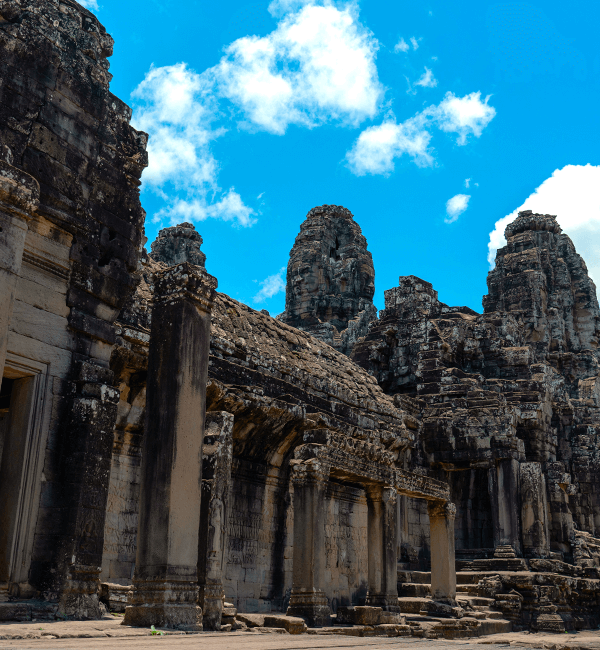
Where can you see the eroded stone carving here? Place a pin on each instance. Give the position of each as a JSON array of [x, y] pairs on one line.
[[330, 279]]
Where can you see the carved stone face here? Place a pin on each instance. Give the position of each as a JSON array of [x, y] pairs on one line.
[[330, 274], [178, 244]]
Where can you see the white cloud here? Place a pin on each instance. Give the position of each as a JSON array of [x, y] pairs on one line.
[[456, 206], [463, 115], [317, 66], [467, 182], [573, 195], [176, 107], [89, 4], [271, 286], [377, 146], [427, 80], [279, 8], [401, 46], [229, 208], [414, 42]]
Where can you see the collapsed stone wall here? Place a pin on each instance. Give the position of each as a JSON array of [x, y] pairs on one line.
[[61, 125]]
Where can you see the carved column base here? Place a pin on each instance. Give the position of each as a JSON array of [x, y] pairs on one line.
[[311, 606], [164, 604], [387, 602], [211, 601], [79, 595]]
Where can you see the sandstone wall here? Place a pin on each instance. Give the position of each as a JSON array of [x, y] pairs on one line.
[[60, 123]]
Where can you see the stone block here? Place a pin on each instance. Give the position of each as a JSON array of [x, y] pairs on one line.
[[252, 620], [293, 624], [359, 615]]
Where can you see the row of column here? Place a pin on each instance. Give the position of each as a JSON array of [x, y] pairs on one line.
[[175, 536], [308, 598]]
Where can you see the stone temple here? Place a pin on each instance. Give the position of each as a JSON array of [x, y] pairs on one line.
[[175, 455]]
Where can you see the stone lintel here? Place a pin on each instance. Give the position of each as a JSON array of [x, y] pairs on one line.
[[423, 487]]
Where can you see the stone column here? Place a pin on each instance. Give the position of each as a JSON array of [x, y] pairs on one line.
[[19, 194], [534, 510], [383, 547], [165, 584], [308, 598], [443, 565], [216, 481], [504, 496]]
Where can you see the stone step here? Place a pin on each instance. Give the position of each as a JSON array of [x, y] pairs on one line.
[[414, 589], [494, 626], [29, 610], [412, 605], [480, 601], [419, 577]]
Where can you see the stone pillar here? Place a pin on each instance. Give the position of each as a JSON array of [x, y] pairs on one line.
[[19, 195], [383, 547], [308, 598], [534, 510], [165, 584], [216, 481], [504, 496], [443, 565]]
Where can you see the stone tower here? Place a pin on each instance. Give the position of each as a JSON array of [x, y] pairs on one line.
[[541, 280], [178, 244], [330, 278]]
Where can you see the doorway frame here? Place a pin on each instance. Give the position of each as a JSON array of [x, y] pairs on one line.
[[28, 500]]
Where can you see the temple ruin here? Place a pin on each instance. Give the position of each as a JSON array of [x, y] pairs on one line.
[[172, 454]]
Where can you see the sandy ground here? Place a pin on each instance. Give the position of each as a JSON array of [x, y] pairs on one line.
[[108, 634]]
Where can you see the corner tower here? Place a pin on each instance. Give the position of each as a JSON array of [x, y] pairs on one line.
[[541, 279]]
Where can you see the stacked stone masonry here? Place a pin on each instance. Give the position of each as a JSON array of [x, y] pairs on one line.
[[330, 461]]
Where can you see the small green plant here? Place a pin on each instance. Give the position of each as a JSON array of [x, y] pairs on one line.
[[155, 632]]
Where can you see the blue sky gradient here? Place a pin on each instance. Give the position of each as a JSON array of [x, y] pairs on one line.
[[251, 160]]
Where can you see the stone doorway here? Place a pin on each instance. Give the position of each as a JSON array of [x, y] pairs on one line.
[[22, 398]]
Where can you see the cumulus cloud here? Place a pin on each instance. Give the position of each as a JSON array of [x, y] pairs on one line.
[[317, 66], [176, 107], [229, 208], [427, 80], [466, 115], [89, 4], [467, 182], [414, 42], [456, 206], [278, 8], [271, 286], [573, 195], [377, 146], [401, 46]]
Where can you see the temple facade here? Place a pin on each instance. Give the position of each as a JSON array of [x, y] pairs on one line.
[[173, 454]]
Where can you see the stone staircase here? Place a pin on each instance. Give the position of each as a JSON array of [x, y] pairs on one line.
[[474, 615]]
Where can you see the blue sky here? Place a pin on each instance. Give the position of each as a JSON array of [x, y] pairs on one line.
[[430, 121]]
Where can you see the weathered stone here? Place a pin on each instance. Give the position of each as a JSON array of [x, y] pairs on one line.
[[216, 484], [165, 586], [292, 624], [330, 279], [178, 244], [71, 232], [336, 443]]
